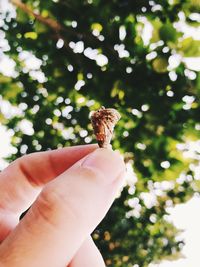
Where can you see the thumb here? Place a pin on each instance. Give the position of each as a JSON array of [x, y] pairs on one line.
[[65, 213]]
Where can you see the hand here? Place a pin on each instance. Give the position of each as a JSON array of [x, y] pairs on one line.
[[71, 190]]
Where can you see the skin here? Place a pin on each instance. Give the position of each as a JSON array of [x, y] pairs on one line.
[[69, 190]]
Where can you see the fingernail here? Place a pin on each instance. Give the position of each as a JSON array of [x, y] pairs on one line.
[[106, 161]]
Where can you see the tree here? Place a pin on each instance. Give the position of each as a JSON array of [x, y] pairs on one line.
[[74, 56]]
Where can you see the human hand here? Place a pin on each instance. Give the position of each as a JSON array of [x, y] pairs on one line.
[[72, 190]]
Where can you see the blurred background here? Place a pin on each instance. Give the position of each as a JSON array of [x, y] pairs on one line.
[[61, 59]]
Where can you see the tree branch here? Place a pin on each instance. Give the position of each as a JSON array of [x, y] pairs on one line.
[[57, 27], [53, 24], [47, 21]]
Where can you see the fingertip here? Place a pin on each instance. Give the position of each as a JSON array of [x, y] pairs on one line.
[[106, 161]]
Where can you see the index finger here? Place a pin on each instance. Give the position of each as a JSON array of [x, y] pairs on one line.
[[22, 180], [65, 213]]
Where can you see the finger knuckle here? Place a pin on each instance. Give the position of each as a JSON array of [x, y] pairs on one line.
[[53, 207], [24, 169]]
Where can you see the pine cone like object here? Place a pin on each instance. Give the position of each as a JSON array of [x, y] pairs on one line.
[[103, 122]]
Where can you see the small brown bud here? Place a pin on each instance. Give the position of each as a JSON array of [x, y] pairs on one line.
[[103, 122]]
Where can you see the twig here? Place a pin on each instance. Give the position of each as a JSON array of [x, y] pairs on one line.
[[47, 21], [58, 28]]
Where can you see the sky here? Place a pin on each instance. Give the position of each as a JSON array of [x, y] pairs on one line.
[[5, 147], [184, 216]]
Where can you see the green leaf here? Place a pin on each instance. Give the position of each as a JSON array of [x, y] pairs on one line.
[[97, 26], [31, 35], [40, 27], [12, 92], [4, 79], [160, 65], [168, 33], [189, 47], [157, 24], [22, 16]]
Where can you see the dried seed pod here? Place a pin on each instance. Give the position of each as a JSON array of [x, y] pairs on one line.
[[103, 122]]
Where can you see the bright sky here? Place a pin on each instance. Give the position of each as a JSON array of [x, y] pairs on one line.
[[5, 147], [186, 217]]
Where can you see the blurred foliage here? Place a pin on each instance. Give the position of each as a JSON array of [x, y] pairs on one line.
[[92, 53]]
